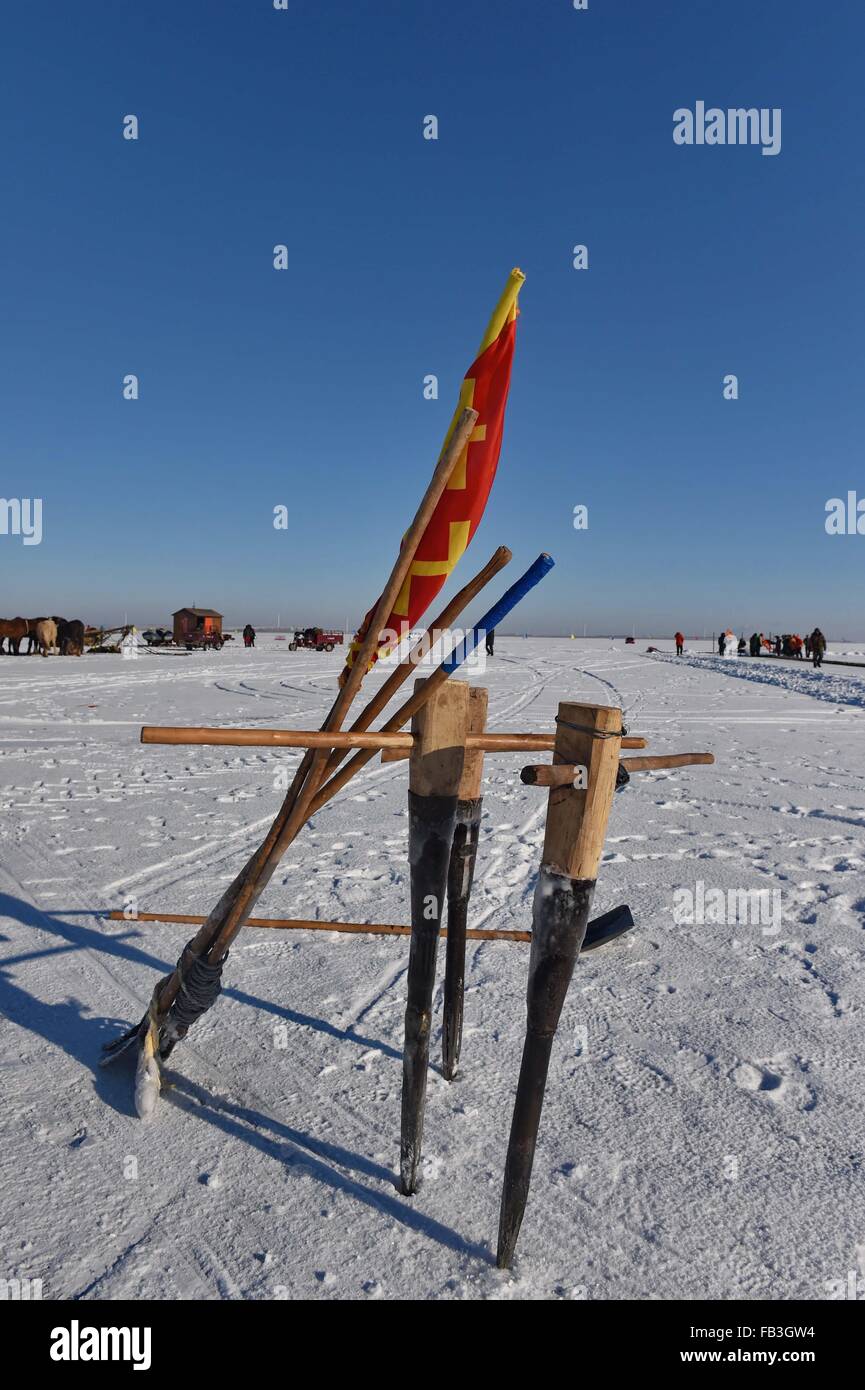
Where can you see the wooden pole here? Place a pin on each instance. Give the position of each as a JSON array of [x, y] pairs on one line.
[[315, 924], [461, 872], [377, 740], [563, 775], [541, 743], [588, 736], [505, 605], [452, 610], [445, 620], [599, 932], [227, 918], [435, 773], [653, 764], [261, 871], [271, 738]]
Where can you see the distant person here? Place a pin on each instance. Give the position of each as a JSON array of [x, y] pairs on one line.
[[818, 647], [249, 635], [755, 644], [491, 641], [742, 646], [679, 639], [777, 646], [722, 644], [807, 646]]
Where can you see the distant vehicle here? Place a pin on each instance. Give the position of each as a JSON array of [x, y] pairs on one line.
[[629, 641], [211, 641], [158, 636], [317, 639]]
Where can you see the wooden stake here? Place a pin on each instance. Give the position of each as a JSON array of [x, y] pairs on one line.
[[563, 775], [435, 773], [460, 876], [587, 736]]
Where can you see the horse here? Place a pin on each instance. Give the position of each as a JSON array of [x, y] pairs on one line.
[[14, 629], [32, 644], [46, 635], [70, 636]]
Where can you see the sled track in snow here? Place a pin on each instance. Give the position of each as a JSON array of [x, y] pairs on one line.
[[214, 856], [629, 710]]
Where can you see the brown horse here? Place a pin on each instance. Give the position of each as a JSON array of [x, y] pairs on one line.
[[14, 629]]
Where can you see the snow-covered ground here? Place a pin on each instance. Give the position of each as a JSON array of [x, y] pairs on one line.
[[703, 1131]]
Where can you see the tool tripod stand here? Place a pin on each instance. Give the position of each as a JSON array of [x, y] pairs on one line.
[[445, 750]]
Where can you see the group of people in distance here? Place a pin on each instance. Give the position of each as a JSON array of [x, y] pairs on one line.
[[790, 644], [249, 635]]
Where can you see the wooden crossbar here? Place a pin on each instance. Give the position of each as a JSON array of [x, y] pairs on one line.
[[400, 743], [303, 924]]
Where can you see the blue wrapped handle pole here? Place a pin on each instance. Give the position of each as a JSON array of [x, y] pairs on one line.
[[499, 611]]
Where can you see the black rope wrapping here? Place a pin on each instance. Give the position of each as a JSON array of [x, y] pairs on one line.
[[588, 729], [200, 984]]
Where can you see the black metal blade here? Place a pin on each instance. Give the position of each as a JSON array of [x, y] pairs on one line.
[[607, 927]]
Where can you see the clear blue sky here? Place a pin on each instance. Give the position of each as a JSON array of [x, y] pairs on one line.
[[304, 388]]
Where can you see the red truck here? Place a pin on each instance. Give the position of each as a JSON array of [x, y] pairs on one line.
[[316, 639]]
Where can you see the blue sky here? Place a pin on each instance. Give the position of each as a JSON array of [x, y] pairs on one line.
[[304, 388]]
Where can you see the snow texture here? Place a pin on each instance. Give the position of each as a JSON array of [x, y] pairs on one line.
[[703, 1129]]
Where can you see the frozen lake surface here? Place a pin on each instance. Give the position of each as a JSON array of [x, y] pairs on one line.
[[703, 1131]]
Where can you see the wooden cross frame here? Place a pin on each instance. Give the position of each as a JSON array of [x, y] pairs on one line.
[[445, 749]]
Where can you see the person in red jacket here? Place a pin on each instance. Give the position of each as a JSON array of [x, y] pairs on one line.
[[680, 643]]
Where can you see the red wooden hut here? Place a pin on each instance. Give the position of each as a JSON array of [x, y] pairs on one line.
[[200, 626]]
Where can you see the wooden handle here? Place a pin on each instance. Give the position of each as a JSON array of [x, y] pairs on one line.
[[395, 745], [563, 775], [240, 897], [383, 696], [272, 738], [666, 760], [508, 743], [304, 924], [353, 675], [550, 774]]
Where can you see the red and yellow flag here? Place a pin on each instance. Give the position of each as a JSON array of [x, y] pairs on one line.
[[458, 514]]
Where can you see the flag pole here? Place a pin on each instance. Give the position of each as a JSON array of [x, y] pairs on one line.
[[193, 985], [432, 546], [228, 916]]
